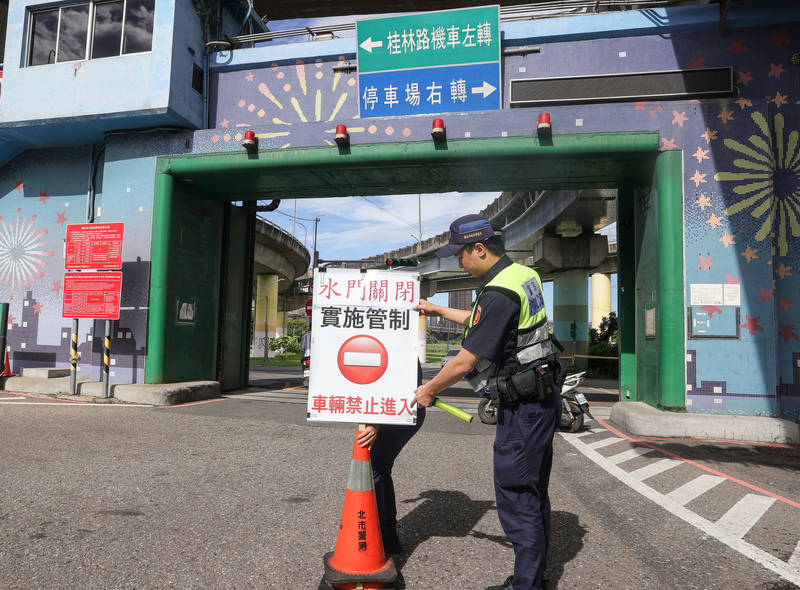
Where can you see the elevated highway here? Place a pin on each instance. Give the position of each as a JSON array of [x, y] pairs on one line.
[[554, 232], [532, 223], [279, 259]]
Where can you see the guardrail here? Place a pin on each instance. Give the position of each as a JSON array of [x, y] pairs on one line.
[[277, 232]]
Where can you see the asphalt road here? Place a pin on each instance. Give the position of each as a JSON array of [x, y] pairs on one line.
[[244, 493]]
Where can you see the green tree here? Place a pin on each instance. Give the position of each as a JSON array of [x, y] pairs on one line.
[[297, 328], [603, 342], [283, 345]]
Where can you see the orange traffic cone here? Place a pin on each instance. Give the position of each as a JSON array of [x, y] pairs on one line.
[[358, 561], [7, 368]]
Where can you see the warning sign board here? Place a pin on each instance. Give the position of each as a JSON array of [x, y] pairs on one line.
[[92, 295], [364, 338], [94, 246]]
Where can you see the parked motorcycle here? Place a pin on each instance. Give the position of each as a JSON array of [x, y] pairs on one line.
[[574, 405], [305, 362]]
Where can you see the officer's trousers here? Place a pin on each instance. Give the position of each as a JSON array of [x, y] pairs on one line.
[[523, 457]]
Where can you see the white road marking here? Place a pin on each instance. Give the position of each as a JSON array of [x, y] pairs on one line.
[[744, 514], [655, 468], [794, 560], [76, 404], [628, 455], [606, 442], [584, 433], [697, 487], [767, 560]]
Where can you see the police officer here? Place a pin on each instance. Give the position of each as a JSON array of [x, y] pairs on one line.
[[507, 349]]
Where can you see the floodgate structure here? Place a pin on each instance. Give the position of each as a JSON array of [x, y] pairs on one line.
[[135, 111]]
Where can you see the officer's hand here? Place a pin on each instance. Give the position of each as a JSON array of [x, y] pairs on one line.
[[427, 309], [424, 396], [366, 438]]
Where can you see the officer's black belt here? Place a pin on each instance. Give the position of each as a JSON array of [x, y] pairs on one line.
[[534, 381]]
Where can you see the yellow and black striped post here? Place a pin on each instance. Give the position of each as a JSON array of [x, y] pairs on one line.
[[73, 359], [106, 357], [3, 332]]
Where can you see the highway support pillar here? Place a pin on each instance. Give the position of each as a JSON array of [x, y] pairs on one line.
[[265, 322], [601, 298], [570, 258]]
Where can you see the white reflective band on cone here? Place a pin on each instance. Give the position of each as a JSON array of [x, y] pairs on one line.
[[360, 479]]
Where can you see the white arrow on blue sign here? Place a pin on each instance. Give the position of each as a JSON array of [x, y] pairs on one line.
[[472, 87]]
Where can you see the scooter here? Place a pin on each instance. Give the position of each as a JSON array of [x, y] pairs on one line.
[[574, 405], [305, 362]]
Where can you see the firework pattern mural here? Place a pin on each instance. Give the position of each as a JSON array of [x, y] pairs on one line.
[[22, 259], [44, 191]]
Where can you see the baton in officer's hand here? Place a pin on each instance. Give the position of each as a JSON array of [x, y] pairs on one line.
[[452, 410]]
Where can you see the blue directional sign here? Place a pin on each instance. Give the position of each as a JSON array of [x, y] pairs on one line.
[[433, 62], [448, 89]]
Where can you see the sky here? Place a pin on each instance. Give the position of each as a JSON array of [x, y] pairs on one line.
[[351, 228]]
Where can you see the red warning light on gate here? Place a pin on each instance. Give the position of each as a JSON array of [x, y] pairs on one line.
[[363, 359]]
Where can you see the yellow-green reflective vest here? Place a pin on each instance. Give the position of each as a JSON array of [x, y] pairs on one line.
[[522, 285]]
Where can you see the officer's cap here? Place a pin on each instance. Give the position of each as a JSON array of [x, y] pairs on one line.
[[466, 230]]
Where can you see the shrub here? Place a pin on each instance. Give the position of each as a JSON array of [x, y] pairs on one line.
[[283, 345]]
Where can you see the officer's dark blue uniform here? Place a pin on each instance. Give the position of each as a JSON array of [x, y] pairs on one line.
[[524, 440]]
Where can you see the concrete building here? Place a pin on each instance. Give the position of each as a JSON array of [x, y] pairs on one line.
[[689, 113]]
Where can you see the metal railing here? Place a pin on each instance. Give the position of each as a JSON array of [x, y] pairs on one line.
[[551, 9]]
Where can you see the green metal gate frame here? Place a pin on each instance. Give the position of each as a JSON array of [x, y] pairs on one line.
[[607, 160]]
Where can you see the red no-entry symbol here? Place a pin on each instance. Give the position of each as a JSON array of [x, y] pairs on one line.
[[309, 307], [363, 359]]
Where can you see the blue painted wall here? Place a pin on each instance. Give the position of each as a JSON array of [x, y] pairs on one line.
[[67, 103]]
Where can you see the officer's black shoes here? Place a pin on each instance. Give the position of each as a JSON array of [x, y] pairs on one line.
[[505, 585], [509, 583], [391, 542]]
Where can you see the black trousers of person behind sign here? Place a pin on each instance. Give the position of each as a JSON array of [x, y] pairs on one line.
[[390, 441]]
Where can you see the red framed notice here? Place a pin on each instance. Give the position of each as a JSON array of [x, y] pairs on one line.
[[94, 246], [93, 295]]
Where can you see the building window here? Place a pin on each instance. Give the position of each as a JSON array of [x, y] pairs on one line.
[[90, 31]]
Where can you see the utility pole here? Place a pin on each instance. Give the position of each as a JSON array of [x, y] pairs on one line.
[[419, 209]]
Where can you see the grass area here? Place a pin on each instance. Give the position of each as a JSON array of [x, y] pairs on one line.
[[290, 360], [436, 351], [435, 354]]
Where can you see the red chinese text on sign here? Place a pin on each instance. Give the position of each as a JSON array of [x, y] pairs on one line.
[[390, 292]]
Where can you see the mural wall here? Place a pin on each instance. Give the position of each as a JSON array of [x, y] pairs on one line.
[[742, 178], [741, 193], [49, 193]]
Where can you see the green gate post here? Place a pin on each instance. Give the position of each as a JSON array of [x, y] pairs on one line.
[[155, 360], [626, 294], [671, 324]]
